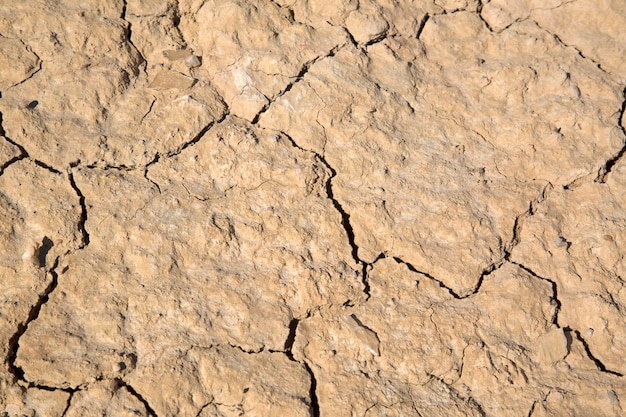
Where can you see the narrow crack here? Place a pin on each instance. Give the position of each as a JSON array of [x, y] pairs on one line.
[[561, 42], [33, 314], [305, 68], [35, 310], [555, 293], [555, 319], [377, 39], [529, 18], [468, 399], [154, 100], [23, 154], [479, 12], [135, 394], [204, 406], [427, 275], [83, 214], [11, 162], [345, 217], [347, 226], [506, 249], [191, 142], [515, 238], [519, 221], [145, 175], [248, 351], [488, 270], [39, 67], [608, 166], [168, 154], [599, 364], [543, 400]]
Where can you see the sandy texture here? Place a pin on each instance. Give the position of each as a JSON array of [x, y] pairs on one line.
[[312, 208]]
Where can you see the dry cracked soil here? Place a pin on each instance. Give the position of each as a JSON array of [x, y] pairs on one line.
[[312, 208]]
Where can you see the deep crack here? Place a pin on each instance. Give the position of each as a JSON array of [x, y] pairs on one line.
[[314, 406], [291, 338], [11, 162], [377, 39], [599, 364], [69, 403], [33, 314], [135, 394], [420, 28], [46, 166]]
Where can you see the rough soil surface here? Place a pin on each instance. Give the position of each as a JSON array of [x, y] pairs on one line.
[[312, 208]]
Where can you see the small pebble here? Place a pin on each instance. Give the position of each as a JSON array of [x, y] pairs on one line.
[[31, 254], [192, 61], [27, 104]]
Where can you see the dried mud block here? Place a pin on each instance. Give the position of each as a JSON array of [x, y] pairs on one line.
[[186, 55], [429, 164], [39, 218], [248, 66], [602, 40], [587, 270], [228, 251], [493, 353], [224, 380], [20, 401], [177, 54], [360, 208], [106, 398], [171, 79]]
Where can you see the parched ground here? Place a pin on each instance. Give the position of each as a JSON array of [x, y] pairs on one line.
[[312, 208]]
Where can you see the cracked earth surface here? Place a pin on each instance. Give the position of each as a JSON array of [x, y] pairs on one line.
[[343, 208]]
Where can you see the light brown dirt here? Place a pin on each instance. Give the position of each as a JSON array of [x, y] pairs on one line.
[[312, 208]]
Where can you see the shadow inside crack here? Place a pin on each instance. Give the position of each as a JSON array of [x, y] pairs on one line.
[[44, 248]]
